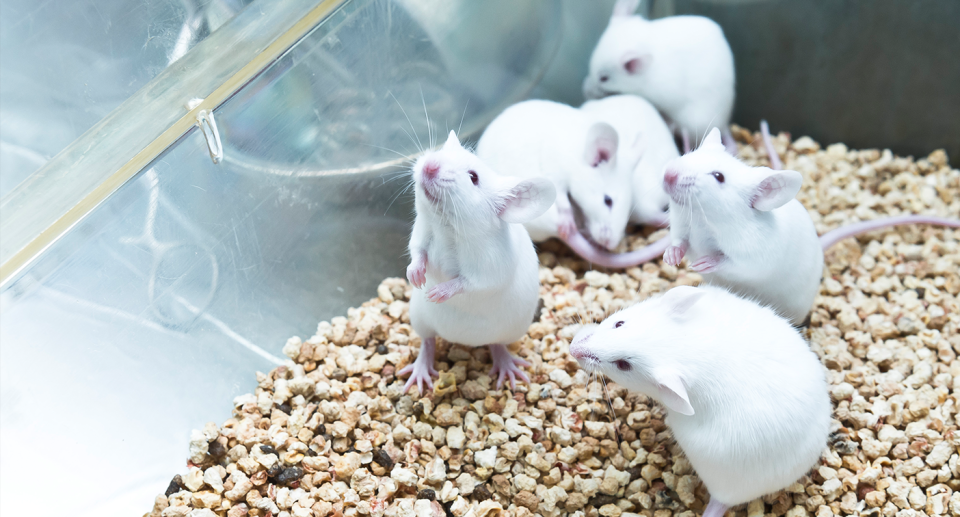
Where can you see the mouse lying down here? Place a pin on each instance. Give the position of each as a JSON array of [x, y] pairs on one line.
[[746, 398]]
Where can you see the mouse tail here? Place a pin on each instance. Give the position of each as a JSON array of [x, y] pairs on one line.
[[832, 237], [775, 162], [581, 246]]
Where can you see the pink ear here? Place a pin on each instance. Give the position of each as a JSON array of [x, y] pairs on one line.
[[602, 142], [680, 299], [776, 190], [672, 391], [527, 200], [634, 64]]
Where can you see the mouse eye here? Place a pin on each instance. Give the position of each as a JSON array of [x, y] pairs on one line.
[[617, 324], [604, 78], [623, 365], [473, 177], [718, 175], [607, 200]]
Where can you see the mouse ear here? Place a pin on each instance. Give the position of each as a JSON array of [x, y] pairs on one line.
[[713, 140], [634, 63], [776, 189], [673, 393], [625, 8], [602, 141], [527, 200], [452, 140], [679, 299]]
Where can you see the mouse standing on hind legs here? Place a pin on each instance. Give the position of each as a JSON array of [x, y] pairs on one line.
[[746, 398], [742, 227], [473, 265]]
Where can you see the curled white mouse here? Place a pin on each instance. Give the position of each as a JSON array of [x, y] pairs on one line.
[[472, 262], [587, 163], [742, 228], [582, 156], [746, 398], [636, 120], [683, 65]]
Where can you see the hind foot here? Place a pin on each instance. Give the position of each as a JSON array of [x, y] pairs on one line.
[[422, 370], [507, 366]]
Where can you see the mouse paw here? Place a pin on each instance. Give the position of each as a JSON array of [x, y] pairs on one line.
[[707, 264], [673, 255], [566, 226], [506, 366], [443, 292], [417, 274], [421, 371]]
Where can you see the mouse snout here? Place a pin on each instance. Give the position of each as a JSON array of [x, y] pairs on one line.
[[430, 170], [604, 237], [670, 177], [580, 352]]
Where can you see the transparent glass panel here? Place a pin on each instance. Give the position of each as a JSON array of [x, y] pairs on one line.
[[68, 63], [156, 310]]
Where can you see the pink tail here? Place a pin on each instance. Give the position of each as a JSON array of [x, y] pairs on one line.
[[715, 509], [775, 162], [581, 246], [832, 237]]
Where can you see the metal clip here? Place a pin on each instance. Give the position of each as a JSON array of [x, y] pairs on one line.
[[208, 126]]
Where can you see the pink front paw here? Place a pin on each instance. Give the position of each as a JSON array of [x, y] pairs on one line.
[[567, 226], [673, 255], [443, 292], [417, 274], [706, 264]]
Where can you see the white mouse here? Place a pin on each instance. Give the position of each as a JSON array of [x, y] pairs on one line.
[[746, 398], [681, 64], [742, 228], [636, 120], [472, 262], [581, 155]]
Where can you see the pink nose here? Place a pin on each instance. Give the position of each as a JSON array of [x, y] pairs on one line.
[[430, 169], [670, 178]]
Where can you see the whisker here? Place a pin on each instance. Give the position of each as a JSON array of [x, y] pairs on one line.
[[419, 145], [461, 117]]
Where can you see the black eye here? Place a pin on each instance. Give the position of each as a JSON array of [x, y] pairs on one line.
[[604, 78], [623, 365], [718, 175], [617, 324], [607, 200], [473, 177]]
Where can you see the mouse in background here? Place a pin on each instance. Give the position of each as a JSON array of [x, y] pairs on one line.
[[742, 227], [473, 265], [746, 398], [634, 118], [683, 65], [589, 165], [586, 160]]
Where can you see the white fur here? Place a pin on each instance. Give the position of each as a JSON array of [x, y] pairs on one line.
[[686, 68], [773, 256], [465, 235], [641, 130], [756, 393], [548, 139]]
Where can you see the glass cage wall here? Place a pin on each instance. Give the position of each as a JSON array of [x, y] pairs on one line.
[[152, 313]]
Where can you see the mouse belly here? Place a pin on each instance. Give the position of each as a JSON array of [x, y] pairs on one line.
[[476, 319]]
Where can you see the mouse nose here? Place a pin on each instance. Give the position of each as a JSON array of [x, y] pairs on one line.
[[670, 178], [430, 170]]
